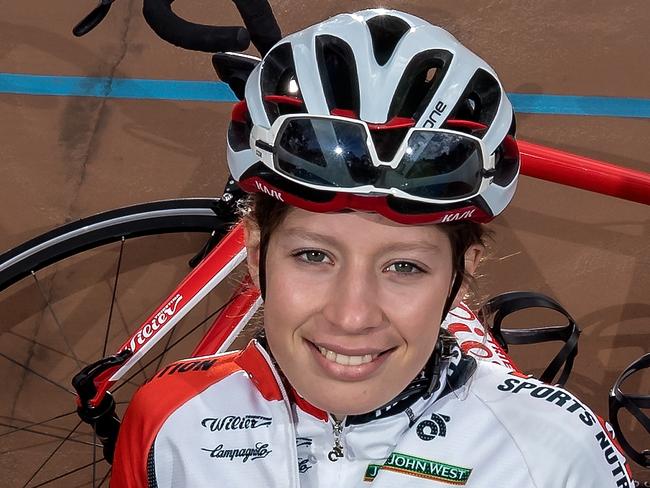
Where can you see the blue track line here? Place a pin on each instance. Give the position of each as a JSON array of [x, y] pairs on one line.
[[581, 105], [79, 86], [216, 91]]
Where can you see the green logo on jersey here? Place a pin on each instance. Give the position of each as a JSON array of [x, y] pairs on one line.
[[371, 472], [422, 468]]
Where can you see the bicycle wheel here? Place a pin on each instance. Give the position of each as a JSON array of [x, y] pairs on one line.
[[70, 297]]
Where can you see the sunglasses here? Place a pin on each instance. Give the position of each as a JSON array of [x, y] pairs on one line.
[[437, 166]]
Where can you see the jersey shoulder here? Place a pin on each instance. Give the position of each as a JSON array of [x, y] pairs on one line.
[[182, 380], [170, 389], [552, 428], [188, 376]]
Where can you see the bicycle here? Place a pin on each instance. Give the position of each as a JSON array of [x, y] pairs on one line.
[[210, 217]]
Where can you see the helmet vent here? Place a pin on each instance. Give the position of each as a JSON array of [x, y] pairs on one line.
[[278, 77], [338, 73], [386, 31], [480, 101], [430, 75], [419, 82]]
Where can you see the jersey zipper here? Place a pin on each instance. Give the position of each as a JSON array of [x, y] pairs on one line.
[[337, 448]]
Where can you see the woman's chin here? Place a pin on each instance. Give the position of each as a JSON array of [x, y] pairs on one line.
[[341, 402]]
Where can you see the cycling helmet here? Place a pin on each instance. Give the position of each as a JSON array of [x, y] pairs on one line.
[[380, 111]]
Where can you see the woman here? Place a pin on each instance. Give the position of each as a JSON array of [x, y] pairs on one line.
[[375, 145]]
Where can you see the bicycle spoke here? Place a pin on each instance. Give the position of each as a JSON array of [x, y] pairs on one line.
[[52, 454], [36, 373], [110, 312], [44, 346], [54, 350], [51, 428], [165, 349], [95, 456], [68, 473], [56, 320], [108, 473], [45, 442], [11, 332], [35, 424], [127, 333], [47, 434]]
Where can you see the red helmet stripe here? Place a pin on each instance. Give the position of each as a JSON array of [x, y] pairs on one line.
[[284, 99], [239, 112], [374, 203]]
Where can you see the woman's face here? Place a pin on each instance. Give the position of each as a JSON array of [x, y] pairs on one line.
[[353, 305]]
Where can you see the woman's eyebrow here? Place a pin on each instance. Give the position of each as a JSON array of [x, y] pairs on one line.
[[412, 246], [309, 235], [401, 246]]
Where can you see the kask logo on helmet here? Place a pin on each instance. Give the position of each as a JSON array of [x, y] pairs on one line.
[[452, 217], [272, 193]]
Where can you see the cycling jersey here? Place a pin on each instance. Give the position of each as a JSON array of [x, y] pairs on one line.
[[230, 420]]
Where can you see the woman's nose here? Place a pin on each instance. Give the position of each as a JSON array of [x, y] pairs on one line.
[[353, 302]]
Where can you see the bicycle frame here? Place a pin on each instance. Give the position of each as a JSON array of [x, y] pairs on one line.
[[537, 161], [211, 271]]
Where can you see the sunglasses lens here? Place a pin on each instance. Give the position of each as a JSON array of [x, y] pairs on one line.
[[324, 152], [334, 153], [441, 165]]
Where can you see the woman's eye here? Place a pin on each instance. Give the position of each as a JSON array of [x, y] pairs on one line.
[[312, 256], [404, 267]]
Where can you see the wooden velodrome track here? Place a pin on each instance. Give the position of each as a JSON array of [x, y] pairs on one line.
[[65, 157]]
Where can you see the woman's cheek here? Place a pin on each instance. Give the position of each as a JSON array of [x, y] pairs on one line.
[[292, 297], [414, 310]]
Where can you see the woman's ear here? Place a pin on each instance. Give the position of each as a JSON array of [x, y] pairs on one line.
[[473, 257], [252, 240]]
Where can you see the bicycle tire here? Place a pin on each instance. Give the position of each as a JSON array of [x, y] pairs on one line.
[[165, 216], [193, 215]]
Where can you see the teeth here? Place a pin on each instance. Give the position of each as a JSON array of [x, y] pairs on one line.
[[346, 360]]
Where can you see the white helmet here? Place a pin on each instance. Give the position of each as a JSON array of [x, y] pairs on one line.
[[377, 110]]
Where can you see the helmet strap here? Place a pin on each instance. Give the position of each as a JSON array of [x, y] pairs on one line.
[[455, 287], [261, 267]]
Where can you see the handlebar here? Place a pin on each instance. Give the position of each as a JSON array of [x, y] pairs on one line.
[[197, 37], [260, 22], [261, 27], [92, 20]]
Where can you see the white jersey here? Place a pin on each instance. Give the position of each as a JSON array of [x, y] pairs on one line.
[[230, 421]]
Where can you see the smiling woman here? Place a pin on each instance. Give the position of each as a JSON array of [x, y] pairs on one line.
[[376, 146], [355, 326]]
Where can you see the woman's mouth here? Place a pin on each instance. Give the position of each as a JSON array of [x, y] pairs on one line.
[[346, 360], [351, 366]]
